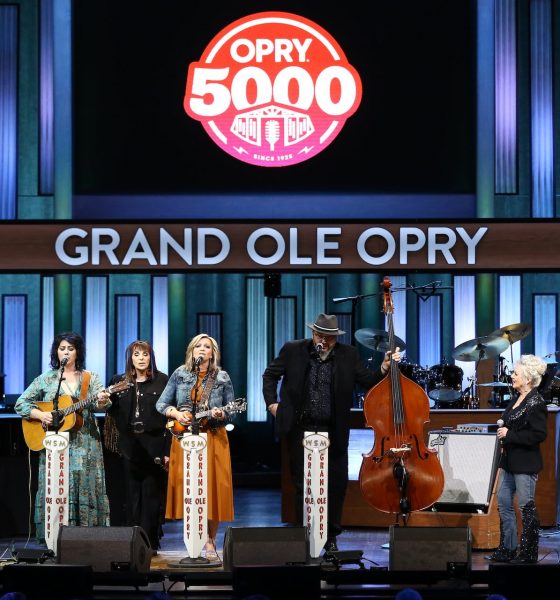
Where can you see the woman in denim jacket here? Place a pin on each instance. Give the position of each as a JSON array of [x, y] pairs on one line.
[[200, 379]]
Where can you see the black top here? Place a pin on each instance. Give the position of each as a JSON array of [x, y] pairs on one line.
[[292, 366], [123, 410], [526, 430]]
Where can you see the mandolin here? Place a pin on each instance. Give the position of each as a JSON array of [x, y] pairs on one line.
[[70, 417], [178, 429]]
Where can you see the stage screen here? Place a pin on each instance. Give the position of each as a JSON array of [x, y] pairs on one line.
[[413, 132]]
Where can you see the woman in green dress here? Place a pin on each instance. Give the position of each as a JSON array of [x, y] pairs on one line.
[[87, 497]]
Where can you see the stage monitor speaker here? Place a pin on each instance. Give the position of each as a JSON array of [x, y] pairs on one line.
[[429, 548], [520, 582], [247, 546], [469, 462], [105, 549], [277, 583], [42, 581]]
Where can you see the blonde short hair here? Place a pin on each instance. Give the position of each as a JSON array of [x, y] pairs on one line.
[[533, 368]]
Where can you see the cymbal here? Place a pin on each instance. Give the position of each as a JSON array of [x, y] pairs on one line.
[[494, 384], [513, 333], [480, 348], [377, 339]]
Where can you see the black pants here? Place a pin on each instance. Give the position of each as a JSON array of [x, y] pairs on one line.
[[338, 480], [146, 485]]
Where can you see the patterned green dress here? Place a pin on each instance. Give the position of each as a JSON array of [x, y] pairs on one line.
[[88, 502]]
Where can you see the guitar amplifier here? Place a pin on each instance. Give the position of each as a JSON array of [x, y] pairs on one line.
[[469, 462]]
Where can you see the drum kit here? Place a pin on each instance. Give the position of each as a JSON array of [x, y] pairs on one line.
[[443, 383]]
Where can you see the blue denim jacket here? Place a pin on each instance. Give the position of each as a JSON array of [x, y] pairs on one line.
[[178, 390]]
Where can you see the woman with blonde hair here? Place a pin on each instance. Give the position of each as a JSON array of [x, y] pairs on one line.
[[522, 430], [200, 384]]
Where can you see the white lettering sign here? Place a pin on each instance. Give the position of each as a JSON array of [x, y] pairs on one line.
[[56, 484], [195, 509], [269, 246], [315, 489]]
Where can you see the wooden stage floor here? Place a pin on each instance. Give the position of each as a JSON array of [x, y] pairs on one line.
[[371, 578]]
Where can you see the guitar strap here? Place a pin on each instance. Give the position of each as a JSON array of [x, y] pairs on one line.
[[86, 377], [203, 402]]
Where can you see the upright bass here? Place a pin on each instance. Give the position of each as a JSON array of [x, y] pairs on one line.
[[400, 474]]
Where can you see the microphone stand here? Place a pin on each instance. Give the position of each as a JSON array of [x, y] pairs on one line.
[[56, 415], [195, 427], [355, 300]]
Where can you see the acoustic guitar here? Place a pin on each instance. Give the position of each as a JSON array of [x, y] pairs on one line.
[[70, 418], [178, 429]]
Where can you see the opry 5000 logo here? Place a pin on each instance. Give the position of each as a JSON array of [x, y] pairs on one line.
[[272, 89]]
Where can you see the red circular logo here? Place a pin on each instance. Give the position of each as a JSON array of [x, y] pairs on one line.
[[272, 89]]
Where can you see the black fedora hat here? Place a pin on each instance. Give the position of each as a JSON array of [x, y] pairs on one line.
[[326, 325]]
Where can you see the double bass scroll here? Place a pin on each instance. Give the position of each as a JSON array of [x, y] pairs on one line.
[[400, 474]]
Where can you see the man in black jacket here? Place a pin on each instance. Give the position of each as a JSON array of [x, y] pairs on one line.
[[318, 379]]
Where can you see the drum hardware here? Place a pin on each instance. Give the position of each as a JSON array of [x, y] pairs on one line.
[[415, 372], [480, 348], [554, 391], [485, 347], [470, 397], [513, 333], [445, 383], [548, 387], [377, 339]]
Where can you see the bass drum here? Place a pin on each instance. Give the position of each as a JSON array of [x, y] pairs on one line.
[[445, 383]]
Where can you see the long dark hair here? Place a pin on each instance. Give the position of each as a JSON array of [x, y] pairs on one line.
[[130, 371], [72, 338]]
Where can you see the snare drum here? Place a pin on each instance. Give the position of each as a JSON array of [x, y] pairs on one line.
[[445, 383]]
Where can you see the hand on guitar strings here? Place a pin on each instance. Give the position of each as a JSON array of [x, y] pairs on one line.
[[217, 413], [184, 417], [46, 418], [103, 399]]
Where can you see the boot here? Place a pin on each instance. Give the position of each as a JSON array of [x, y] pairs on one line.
[[529, 547], [502, 554]]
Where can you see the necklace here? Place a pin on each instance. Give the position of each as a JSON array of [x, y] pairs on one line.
[[137, 411]]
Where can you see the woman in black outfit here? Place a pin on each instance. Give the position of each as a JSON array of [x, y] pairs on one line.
[[522, 432], [142, 439]]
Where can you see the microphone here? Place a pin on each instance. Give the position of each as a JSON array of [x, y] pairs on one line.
[[160, 462], [319, 347], [64, 361], [500, 423], [197, 362]]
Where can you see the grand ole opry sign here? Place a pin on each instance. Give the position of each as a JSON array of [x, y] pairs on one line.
[[478, 245]]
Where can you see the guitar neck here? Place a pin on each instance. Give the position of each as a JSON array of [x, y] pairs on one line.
[[83, 403], [76, 406], [204, 413], [234, 406]]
